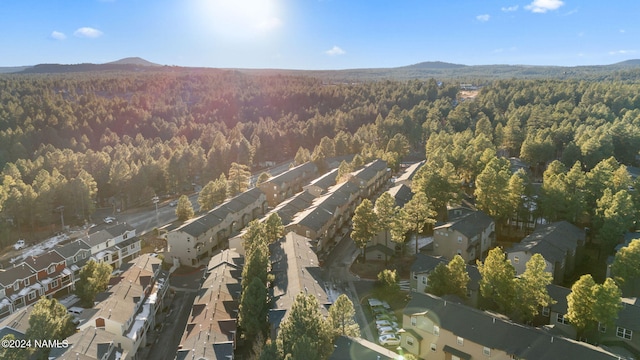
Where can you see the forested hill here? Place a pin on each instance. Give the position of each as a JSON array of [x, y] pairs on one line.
[[626, 71]]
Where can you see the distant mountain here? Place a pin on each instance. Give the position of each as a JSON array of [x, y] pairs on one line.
[[433, 65], [632, 63], [133, 61], [12, 69]]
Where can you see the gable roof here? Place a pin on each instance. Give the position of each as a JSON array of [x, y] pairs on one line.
[[496, 333], [410, 172], [292, 174], [427, 263], [470, 224], [43, 261], [401, 194], [72, 248], [296, 269], [325, 181], [370, 170], [324, 207], [213, 315], [18, 272], [552, 241], [89, 343], [288, 209]]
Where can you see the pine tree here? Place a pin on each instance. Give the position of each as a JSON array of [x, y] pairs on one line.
[[531, 289], [184, 209], [497, 282], [418, 212], [342, 317], [252, 317], [365, 225], [306, 326]]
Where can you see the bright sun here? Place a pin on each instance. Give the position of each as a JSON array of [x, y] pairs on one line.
[[239, 19]]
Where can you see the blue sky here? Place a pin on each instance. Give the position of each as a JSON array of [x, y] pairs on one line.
[[319, 34]]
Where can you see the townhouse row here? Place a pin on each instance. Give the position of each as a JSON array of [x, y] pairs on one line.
[[54, 272]]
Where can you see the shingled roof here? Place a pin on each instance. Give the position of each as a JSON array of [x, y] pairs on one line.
[[552, 241], [496, 333]]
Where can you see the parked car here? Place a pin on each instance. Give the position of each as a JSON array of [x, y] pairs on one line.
[[389, 340], [386, 330], [382, 323], [109, 219], [174, 203], [19, 244]]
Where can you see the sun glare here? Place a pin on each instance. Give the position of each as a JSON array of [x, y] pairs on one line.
[[239, 19]]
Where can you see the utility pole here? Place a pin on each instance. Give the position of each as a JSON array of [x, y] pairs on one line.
[[156, 200], [61, 209]]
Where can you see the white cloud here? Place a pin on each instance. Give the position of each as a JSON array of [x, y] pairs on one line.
[[510, 8], [57, 35], [483, 17], [335, 51], [622, 52], [87, 32], [542, 6], [269, 24]]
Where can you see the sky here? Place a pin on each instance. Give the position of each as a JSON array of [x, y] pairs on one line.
[[320, 34]]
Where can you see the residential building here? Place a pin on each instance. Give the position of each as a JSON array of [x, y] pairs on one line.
[[51, 272], [18, 322], [115, 245], [89, 344], [439, 329], [425, 264], [327, 214], [76, 254], [283, 186], [470, 236], [212, 324], [624, 333], [296, 269], [560, 243], [406, 178], [19, 287], [382, 246], [130, 306], [371, 177], [194, 242], [321, 185]]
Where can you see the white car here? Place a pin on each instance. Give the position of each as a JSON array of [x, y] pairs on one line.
[[174, 203], [108, 220], [387, 330], [389, 340], [19, 244], [381, 323]]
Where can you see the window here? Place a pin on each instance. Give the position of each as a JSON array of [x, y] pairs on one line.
[[602, 327], [75, 258], [133, 246], [414, 321], [545, 311], [84, 255], [409, 341], [460, 340], [54, 284], [436, 330], [26, 282], [624, 333], [51, 269], [516, 260], [561, 319], [31, 296], [486, 351], [459, 239], [125, 236], [433, 347], [16, 286], [415, 276], [459, 252], [424, 280]]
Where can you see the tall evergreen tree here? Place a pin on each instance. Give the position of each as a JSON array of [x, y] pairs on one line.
[[496, 283], [304, 321], [531, 289], [365, 225], [252, 316], [418, 212], [184, 209], [342, 317]]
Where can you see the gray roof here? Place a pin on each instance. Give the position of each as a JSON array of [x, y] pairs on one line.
[[325, 181], [289, 208], [305, 169], [470, 224], [351, 348], [18, 272], [43, 261], [552, 241], [90, 343], [411, 171], [296, 269], [495, 333], [559, 294], [200, 225], [427, 263], [109, 233], [370, 170], [72, 248], [217, 351], [19, 320], [401, 194], [324, 207]]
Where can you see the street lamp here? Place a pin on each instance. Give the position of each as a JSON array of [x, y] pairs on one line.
[[156, 200]]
